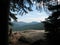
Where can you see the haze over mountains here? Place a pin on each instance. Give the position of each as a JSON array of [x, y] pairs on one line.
[[17, 26]]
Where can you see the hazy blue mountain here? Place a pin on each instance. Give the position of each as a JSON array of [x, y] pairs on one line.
[[26, 26], [35, 22], [19, 23], [38, 26], [23, 23]]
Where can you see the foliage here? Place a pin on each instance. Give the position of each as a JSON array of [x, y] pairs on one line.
[[52, 25], [38, 26], [18, 6]]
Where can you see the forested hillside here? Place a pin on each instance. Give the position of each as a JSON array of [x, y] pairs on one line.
[[27, 26]]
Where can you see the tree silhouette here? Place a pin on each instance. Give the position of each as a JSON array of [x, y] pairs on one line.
[[52, 25], [16, 6]]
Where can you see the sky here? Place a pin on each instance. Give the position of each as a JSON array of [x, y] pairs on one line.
[[33, 16]]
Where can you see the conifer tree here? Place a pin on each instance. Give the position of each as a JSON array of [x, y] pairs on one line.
[[52, 25]]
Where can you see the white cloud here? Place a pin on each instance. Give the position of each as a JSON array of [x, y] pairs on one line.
[[33, 16], [32, 19]]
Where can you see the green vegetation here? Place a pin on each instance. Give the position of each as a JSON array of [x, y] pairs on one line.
[[38, 26]]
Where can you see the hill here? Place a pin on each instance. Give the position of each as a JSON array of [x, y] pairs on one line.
[[26, 26], [38, 26]]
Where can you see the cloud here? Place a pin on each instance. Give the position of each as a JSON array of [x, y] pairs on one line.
[[33, 16], [32, 19]]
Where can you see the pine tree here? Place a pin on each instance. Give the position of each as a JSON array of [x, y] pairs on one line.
[[21, 7], [52, 25]]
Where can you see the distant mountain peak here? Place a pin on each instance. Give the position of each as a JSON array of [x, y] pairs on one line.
[[34, 22], [21, 22]]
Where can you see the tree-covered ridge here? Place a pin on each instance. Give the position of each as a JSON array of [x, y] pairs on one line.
[[28, 26]]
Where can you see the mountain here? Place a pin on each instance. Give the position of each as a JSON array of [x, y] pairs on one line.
[[34, 22], [19, 23], [38, 26], [27, 26], [23, 23]]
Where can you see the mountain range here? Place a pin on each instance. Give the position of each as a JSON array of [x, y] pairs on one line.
[[26, 26]]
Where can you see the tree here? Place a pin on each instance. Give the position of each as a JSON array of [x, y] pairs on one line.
[[16, 6], [52, 25]]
